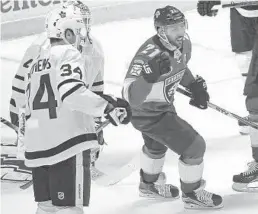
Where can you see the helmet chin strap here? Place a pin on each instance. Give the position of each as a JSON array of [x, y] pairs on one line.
[[164, 40]]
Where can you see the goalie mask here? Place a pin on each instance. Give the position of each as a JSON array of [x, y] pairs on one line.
[[74, 19], [170, 24]]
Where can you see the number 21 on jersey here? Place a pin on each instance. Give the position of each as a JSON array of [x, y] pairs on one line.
[[151, 51]]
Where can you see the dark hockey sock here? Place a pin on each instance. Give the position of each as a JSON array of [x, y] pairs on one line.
[[148, 178], [189, 187], [255, 153]]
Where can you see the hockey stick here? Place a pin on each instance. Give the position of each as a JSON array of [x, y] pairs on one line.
[[121, 173], [26, 185], [221, 110], [235, 5], [102, 125], [9, 124]]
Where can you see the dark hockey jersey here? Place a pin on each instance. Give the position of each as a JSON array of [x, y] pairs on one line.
[[147, 99], [248, 11]]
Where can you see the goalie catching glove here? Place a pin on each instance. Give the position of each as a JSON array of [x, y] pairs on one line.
[[118, 111], [200, 96]]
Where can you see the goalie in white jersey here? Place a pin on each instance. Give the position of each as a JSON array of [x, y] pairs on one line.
[[60, 111]]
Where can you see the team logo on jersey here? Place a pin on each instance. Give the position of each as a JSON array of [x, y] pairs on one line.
[[136, 70], [170, 85]]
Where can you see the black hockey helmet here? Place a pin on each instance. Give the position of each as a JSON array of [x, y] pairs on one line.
[[168, 15]]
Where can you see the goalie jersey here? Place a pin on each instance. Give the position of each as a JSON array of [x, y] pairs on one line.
[[154, 99], [60, 102]]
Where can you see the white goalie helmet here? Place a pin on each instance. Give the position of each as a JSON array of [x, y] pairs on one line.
[[74, 16]]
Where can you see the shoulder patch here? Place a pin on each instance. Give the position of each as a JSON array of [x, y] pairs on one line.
[[136, 70]]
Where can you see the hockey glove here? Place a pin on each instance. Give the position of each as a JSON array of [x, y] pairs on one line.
[[118, 110], [200, 96], [204, 8], [157, 66]]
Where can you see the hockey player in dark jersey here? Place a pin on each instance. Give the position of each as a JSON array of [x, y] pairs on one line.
[[243, 27], [154, 74], [248, 180], [242, 33]]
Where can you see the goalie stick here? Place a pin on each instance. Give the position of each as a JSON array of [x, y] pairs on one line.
[[221, 110]]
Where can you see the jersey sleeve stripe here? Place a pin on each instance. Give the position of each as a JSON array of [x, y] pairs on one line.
[[62, 147], [19, 77], [125, 91], [18, 90], [68, 81], [98, 83], [72, 90], [98, 88], [98, 92]]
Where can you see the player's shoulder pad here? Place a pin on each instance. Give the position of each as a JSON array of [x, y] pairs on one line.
[[148, 50], [65, 53]]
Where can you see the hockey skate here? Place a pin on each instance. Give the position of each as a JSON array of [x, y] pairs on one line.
[[243, 128], [248, 180], [202, 199], [159, 189]]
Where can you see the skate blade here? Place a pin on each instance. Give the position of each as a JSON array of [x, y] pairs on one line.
[[199, 207], [195, 205], [157, 197], [249, 187]]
